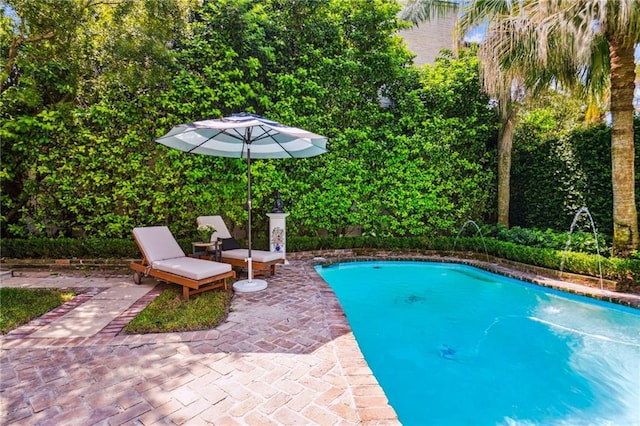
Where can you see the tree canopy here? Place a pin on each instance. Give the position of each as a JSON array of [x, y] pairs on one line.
[[582, 45], [412, 151]]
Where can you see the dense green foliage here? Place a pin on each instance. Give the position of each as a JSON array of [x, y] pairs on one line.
[[20, 305], [411, 151], [84, 163], [68, 248], [555, 174]]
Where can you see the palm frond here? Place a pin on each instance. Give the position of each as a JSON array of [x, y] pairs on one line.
[[418, 11]]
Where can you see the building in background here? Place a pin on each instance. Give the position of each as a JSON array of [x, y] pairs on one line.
[[428, 38]]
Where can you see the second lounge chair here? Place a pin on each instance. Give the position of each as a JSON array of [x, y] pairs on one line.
[[231, 253]]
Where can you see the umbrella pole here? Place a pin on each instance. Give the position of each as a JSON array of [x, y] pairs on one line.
[[249, 285], [249, 263]]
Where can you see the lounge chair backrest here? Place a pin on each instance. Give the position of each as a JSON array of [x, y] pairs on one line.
[[221, 228], [157, 243]]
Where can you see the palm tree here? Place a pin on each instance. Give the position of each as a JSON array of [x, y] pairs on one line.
[[580, 44], [506, 84]]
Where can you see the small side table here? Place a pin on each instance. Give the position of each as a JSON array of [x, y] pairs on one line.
[[208, 250]]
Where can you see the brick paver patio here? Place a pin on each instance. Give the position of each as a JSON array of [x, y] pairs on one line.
[[285, 355]]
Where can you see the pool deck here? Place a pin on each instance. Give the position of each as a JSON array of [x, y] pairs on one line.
[[285, 355]]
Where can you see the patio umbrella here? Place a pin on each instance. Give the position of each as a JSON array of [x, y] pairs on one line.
[[247, 136]]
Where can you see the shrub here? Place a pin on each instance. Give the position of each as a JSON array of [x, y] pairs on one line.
[[543, 249]]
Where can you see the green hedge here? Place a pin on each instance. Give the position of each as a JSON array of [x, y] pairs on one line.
[[552, 176], [63, 248], [620, 270], [616, 269]]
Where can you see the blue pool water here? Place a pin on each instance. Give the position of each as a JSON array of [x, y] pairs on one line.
[[455, 345]]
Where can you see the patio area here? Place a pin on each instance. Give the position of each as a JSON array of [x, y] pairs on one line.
[[285, 355]]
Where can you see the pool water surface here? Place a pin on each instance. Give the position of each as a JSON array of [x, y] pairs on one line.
[[452, 344]]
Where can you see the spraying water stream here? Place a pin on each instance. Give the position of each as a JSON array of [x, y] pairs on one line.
[[479, 231], [595, 235]]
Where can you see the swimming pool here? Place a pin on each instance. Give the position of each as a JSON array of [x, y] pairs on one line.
[[452, 344]]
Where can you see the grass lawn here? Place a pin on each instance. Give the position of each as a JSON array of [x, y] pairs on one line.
[[170, 313], [167, 313], [18, 306]]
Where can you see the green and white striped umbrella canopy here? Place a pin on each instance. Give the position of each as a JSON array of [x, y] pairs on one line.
[[244, 135]]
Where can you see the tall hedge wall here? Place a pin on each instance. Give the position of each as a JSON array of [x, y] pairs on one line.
[[553, 178]]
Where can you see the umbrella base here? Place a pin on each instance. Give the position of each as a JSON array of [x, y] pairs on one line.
[[248, 286]]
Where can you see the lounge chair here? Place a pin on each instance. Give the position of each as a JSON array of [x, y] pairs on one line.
[[164, 259], [231, 252]]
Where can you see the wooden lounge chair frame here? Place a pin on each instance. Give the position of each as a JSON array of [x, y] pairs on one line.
[[238, 259], [190, 286], [258, 268]]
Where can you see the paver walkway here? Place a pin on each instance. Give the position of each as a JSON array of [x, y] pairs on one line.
[[285, 355]]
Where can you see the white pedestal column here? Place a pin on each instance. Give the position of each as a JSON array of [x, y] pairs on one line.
[[278, 233]]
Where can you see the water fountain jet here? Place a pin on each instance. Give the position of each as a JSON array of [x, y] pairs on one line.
[[595, 235], [479, 231]]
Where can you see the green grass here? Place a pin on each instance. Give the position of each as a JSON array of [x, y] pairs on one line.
[[170, 313], [18, 306], [167, 313]]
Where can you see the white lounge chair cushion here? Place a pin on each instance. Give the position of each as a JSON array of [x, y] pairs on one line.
[[163, 253], [238, 254], [190, 267], [256, 255], [157, 243]]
